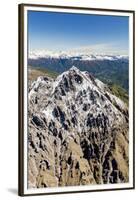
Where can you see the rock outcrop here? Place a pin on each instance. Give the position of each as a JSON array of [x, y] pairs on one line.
[[77, 134]]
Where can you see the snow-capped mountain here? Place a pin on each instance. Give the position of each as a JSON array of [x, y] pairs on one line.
[[78, 132], [74, 56]]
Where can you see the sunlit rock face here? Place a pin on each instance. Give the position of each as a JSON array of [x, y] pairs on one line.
[[77, 132]]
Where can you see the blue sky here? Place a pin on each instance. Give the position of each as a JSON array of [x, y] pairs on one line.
[[65, 31]]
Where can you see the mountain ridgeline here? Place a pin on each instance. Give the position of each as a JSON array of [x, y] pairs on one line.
[[78, 132], [111, 69]]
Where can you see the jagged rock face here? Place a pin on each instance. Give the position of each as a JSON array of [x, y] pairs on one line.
[[78, 132]]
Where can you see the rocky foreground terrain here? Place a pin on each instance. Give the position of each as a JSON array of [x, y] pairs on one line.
[[78, 132]]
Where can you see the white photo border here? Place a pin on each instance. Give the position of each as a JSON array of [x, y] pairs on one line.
[[72, 189]]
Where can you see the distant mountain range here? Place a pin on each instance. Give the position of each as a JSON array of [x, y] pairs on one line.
[[74, 55], [112, 69]]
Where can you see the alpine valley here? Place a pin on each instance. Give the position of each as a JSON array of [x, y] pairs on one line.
[[77, 126], [109, 68]]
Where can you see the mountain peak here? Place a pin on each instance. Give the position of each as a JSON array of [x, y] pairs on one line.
[[74, 68], [78, 132]]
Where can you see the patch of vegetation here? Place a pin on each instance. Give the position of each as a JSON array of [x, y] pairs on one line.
[[119, 92], [35, 72]]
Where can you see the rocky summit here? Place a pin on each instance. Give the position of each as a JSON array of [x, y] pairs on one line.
[[77, 132]]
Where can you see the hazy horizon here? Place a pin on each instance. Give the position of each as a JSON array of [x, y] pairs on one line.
[[78, 32]]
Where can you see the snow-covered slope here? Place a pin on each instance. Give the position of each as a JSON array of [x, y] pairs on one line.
[[78, 132]]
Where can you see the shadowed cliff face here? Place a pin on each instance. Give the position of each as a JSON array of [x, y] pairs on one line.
[[78, 132]]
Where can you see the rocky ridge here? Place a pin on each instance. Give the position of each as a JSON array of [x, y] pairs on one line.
[[78, 132]]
